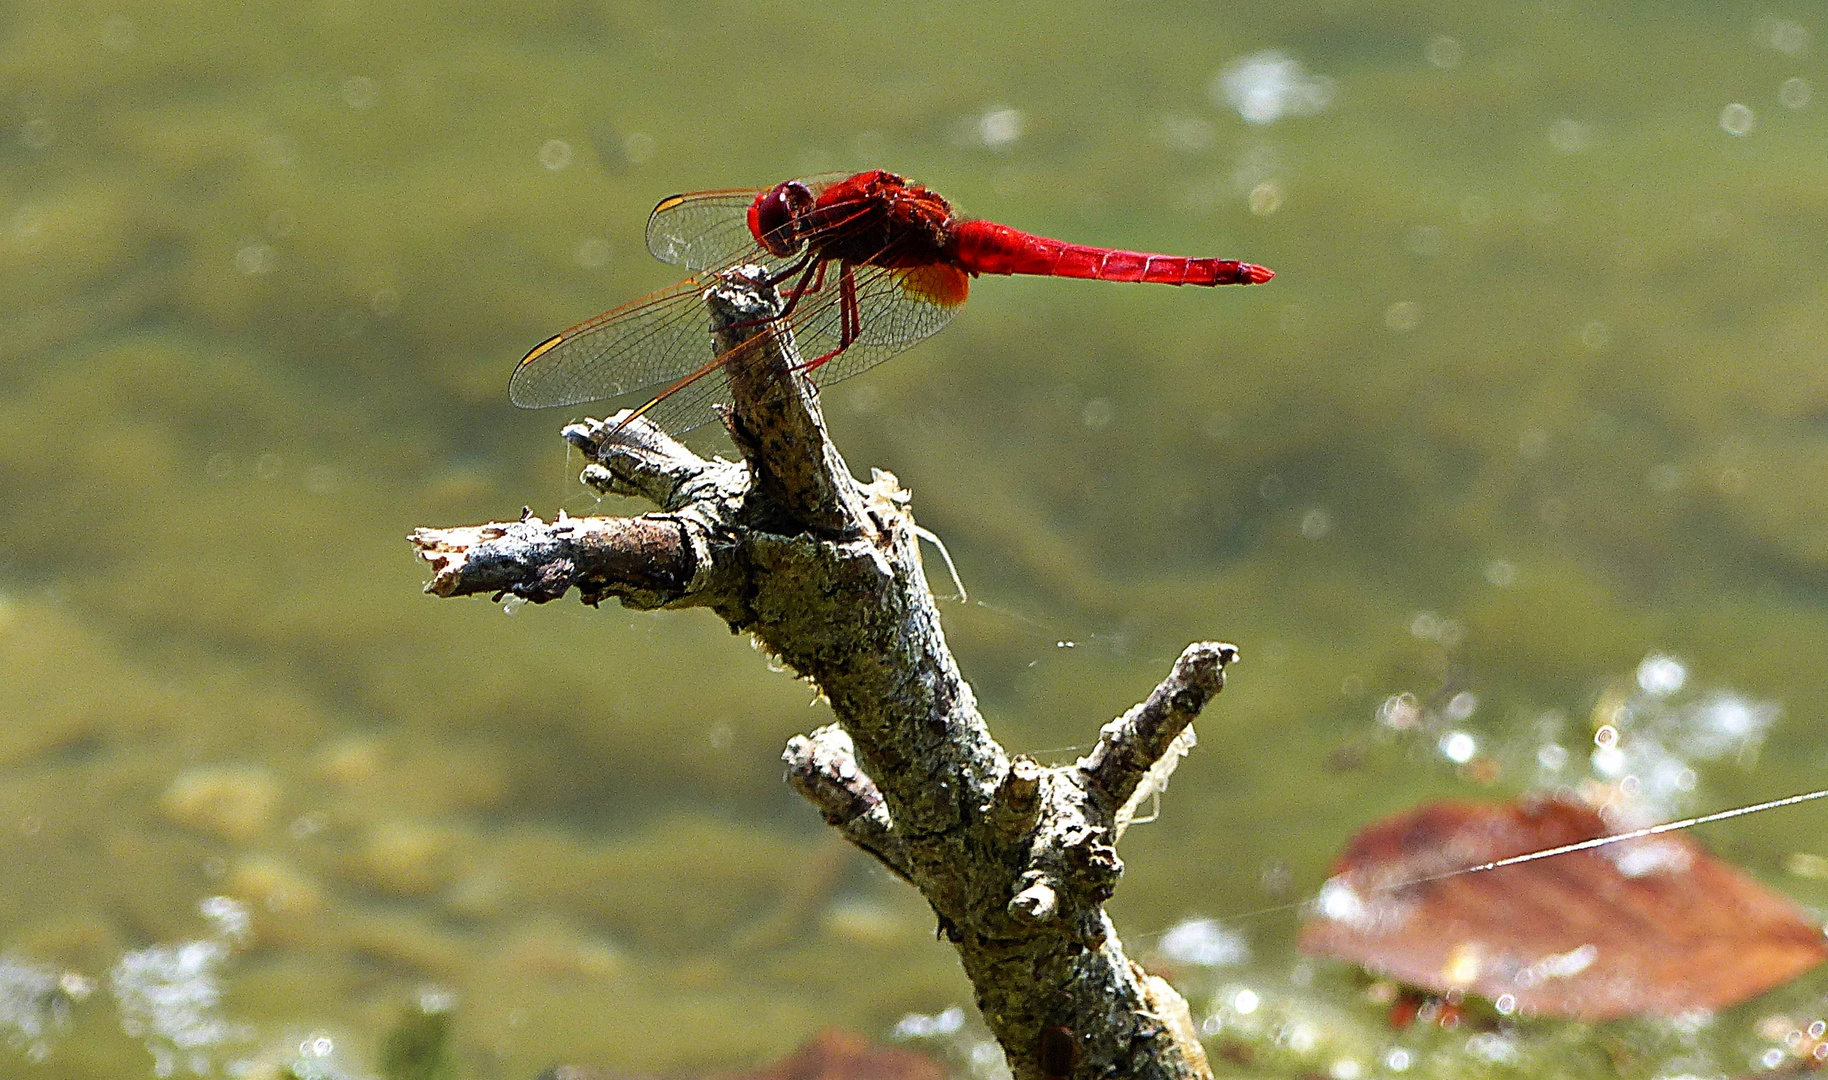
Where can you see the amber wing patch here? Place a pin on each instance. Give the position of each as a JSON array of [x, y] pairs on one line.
[[937, 283]]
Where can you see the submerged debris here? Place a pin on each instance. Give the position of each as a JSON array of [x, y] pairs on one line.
[[419, 1046], [1654, 926]]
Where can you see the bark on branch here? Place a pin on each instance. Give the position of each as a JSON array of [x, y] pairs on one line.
[[1016, 859]]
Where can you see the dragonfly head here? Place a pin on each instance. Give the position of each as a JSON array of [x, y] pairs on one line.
[[774, 216]]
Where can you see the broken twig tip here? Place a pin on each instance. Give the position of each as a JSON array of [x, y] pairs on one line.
[[1038, 903]]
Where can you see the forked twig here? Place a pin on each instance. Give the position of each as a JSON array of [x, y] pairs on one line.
[[1016, 859]]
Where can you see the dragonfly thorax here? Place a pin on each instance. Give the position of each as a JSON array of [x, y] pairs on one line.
[[774, 216]]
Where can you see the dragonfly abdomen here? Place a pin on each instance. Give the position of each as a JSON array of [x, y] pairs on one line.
[[984, 247]]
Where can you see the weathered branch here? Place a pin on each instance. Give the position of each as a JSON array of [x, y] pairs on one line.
[[1129, 746], [644, 560], [823, 768], [777, 423], [1016, 859]]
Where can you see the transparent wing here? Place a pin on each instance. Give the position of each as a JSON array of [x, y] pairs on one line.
[[896, 308], [703, 229], [663, 340], [649, 342]]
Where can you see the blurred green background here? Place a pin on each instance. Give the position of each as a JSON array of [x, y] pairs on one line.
[[1537, 392]]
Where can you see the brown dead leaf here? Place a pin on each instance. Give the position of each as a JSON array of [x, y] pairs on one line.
[[1650, 926], [829, 1055]]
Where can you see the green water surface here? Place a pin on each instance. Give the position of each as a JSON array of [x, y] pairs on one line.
[[1538, 391]]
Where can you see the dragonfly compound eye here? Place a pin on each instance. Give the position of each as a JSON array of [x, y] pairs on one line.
[[772, 217]]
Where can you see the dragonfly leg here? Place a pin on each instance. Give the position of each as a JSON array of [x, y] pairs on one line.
[[810, 281], [791, 269], [850, 319]]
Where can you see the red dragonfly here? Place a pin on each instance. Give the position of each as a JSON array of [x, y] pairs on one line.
[[866, 265]]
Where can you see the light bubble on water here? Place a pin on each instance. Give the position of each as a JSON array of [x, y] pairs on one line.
[[169, 996], [555, 154], [1400, 712], [1570, 136], [638, 147], [256, 259], [1266, 86], [1785, 35], [1501, 573], [1608, 761], [1738, 120], [1552, 756], [435, 1000], [1771, 1058], [1439, 629], [229, 917], [1497, 1048], [1300, 1037], [1403, 316], [1660, 675], [592, 252], [1458, 747], [1462, 705], [27, 1008], [1188, 134], [1097, 413], [999, 129], [1345, 1069], [1647, 857], [1341, 903], [1204, 943], [320, 480], [1725, 723], [1265, 199], [1316, 523], [1669, 775], [358, 92], [1794, 93], [1245, 1001], [1398, 1060], [1444, 52]]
